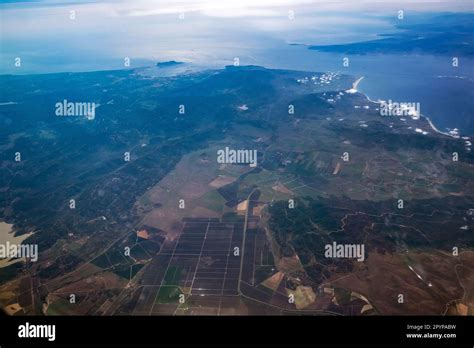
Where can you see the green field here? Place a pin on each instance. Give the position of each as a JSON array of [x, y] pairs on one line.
[[173, 275], [168, 294]]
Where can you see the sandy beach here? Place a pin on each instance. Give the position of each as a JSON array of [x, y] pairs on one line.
[[6, 235]]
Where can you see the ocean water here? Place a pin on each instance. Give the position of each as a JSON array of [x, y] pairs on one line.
[[102, 35], [445, 93]]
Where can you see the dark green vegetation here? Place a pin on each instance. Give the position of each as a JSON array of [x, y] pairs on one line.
[[126, 257], [168, 294], [64, 158], [431, 224], [121, 206]]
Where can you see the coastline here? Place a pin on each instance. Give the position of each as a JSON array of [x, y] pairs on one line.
[[433, 127], [356, 82]]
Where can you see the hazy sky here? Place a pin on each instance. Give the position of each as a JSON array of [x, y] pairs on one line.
[[43, 34]]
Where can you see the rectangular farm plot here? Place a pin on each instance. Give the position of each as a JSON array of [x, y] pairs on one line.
[[204, 262]]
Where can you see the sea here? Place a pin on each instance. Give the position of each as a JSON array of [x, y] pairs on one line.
[[52, 42]]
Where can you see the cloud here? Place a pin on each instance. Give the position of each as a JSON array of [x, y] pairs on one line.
[[238, 8]]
